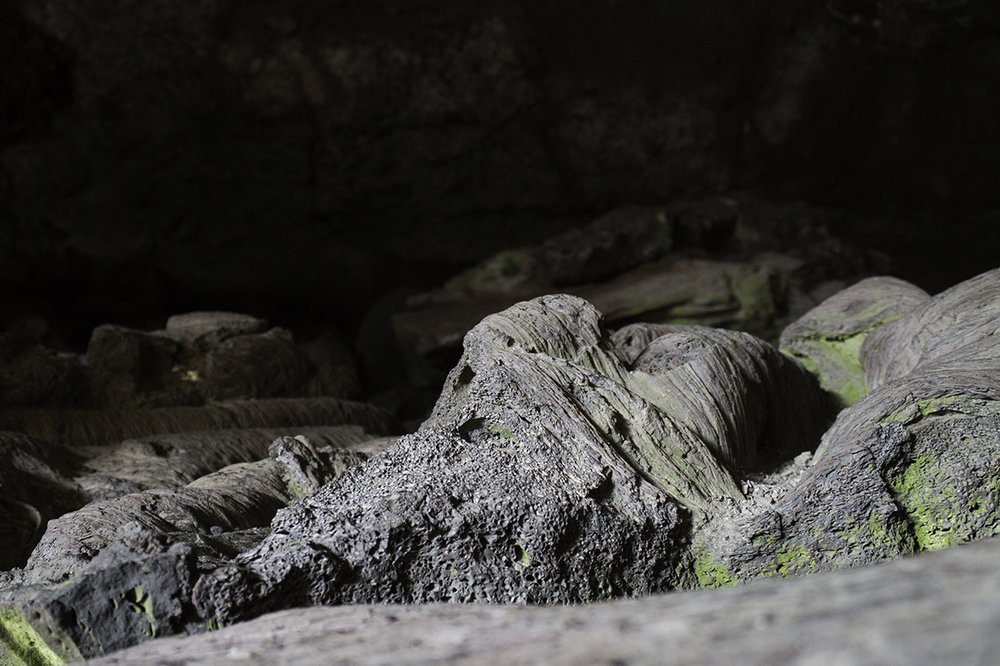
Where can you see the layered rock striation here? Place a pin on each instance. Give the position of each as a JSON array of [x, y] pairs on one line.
[[562, 463]]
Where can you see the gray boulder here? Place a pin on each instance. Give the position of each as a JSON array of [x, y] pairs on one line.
[[911, 466], [828, 338], [551, 470]]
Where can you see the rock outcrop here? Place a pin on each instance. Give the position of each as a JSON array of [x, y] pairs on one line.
[[734, 262], [562, 463], [935, 608], [910, 466]]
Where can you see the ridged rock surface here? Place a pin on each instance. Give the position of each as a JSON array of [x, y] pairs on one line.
[[549, 471]]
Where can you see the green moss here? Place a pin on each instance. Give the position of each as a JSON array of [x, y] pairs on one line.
[[711, 573], [835, 362], [21, 644], [950, 485], [525, 558], [912, 412], [792, 560], [139, 601], [755, 294], [295, 489], [500, 430], [891, 536], [930, 507], [939, 404], [879, 536], [940, 516]]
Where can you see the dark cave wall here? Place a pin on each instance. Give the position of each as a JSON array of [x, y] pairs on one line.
[[299, 159]]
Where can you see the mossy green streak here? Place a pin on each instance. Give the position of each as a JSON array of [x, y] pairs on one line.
[[711, 573], [849, 385], [21, 644]]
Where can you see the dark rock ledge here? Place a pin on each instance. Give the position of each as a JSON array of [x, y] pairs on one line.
[[933, 609], [562, 463]]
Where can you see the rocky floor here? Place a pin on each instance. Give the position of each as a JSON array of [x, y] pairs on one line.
[[194, 478], [934, 608]]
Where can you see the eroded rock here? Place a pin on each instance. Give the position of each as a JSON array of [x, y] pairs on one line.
[[908, 467], [208, 356], [35, 487], [548, 471], [935, 608], [564, 463], [734, 262], [829, 337], [965, 314], [174, 460]]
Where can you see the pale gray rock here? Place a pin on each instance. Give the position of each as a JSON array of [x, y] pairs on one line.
[[208, 329], [549, 471], [965, 314]]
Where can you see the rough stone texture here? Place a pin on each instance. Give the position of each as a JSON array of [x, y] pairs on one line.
[[123, 598], [127, 365], [931, 609], [199, 357], [563, 463], [32, 374], [207, 329], [548, 471], [173, 460], [962, 315], [237, 497], [207, 356], [41, 482], [141, 551], [829, 338], [746, 401], [910, 466], [306, 466], [34, 489], [611, 244]]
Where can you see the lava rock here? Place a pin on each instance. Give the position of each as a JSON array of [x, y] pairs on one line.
[[828, 338], [547, 472], [910, 466], [122, 599], [933, 608], [36, 486], [737, 263], [174, 460], [962, 315]]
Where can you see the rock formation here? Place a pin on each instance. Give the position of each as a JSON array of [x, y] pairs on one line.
[[936, 608], [562, 463]]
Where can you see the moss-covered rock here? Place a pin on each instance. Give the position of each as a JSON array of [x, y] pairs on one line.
[[910, 466], [828, 338]]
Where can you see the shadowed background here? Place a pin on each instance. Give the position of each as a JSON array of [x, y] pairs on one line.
[[300, 160]]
